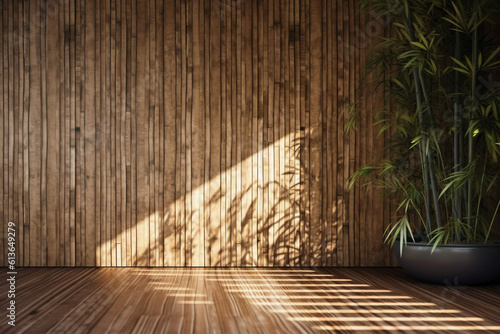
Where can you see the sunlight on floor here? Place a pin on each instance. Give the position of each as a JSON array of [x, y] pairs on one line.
[[419, 327], [344, 304], [320, 301]]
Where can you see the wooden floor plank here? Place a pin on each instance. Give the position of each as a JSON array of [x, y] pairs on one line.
[[246, 300]]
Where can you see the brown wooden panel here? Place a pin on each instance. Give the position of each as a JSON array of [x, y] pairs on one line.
[[122, 130], [112, 134], [215, 136], [198, 135], [237, 201], [15, 114], [141, 111], [169, 88], [223, 143], [150, 91], [4, 136], [188, 121], [179, 259], [315, 117], [35, 120], [53, 136], [89, 134], [187, 133]]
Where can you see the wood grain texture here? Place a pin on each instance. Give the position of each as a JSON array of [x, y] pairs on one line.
[[246, 300], [4, 137], [188, 133]]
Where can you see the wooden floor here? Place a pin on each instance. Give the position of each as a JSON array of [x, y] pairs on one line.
[[178, 300]]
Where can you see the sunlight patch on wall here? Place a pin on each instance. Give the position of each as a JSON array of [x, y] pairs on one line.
[[249, 215]]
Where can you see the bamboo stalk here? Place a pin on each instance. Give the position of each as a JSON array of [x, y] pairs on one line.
[[457, 203], [470, 134], [423, 143]]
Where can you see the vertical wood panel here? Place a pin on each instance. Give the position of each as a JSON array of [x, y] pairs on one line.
[[4, 135], [285, 128], [188, 114], [78, 124], [178, 132], [207, 106], [96, 139], [271, 219], [4, 173], [360, 193], [239, 126], [170, 133], [263, 130], [349, 230], [280, 147], [134, 127], [198, 137], [340, 202], [316, 133], [304, 233], [121, 140], [330, 134], [107, 132], [10, 120], [229, 221], [150, 91], [17, 128], [221, 10], [141, 111], [215, 136], [234, 139], [112, 135], [53, 134], [89, 134], [69, 68], [324, 146], [15, 121], [34, 133], [187, 133]]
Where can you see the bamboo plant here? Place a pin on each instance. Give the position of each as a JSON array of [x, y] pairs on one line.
[[442, 116]]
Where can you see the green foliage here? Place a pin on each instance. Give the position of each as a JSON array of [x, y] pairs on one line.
[[442, 116]]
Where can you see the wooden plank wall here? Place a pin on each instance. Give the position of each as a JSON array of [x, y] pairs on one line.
[[187, 133]]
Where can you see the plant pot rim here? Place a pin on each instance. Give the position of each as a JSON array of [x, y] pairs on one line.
[[424, 244]]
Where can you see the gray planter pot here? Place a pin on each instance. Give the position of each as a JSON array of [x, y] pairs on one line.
[[451, 264]]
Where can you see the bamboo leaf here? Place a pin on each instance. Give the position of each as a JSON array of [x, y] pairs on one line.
[[424, 40], [458, 13], [420, 45], [459, 63], [466, 72], [454, 22], [399, 83], [491, 66], [469, 63], [418, 22], [399, 25], [433, 65], [432, 41], [471, 24], [351, 118], [492, 55], [410, 63]]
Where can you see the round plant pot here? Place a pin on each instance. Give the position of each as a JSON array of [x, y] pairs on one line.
[[451, 264]]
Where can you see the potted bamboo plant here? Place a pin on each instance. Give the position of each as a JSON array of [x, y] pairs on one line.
[[441, 123]]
